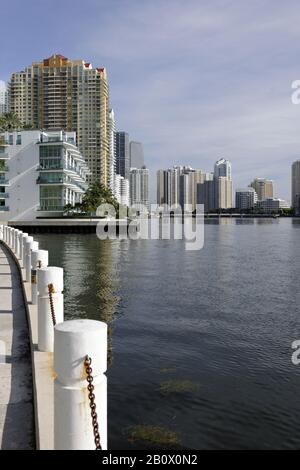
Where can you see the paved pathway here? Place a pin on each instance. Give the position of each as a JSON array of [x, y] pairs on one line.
[[16, 408]]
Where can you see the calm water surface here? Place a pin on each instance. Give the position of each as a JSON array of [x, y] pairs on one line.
[[217, 324]]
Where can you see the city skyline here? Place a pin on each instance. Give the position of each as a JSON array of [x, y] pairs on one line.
[[237, 105]]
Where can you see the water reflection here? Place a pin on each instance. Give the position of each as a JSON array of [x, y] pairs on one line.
[[107, 282]]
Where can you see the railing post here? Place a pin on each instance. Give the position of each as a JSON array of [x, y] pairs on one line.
[[45, 277], [16, 234], [16, 231], [20, 244], [74, 340], [1, 232], [25, 240], [9, 236], [29, 246], [23, 237], [39, 259]]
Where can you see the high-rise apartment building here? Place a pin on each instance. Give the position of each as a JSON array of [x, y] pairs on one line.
[[206, 195], [139, 188], [215, 192], [122, 155], [178, 185], [3, 97], [59, 93], [112, 151], [245, 198], [136, 152], [296, 186], [263, 188], [223, 188], [223, 168]]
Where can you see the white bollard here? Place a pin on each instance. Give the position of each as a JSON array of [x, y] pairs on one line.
[[9, 236], [39, 259], [12, 238], [20, 244], [16, 234], [46, 276], [25, 239], [29, 246], [74, 340]]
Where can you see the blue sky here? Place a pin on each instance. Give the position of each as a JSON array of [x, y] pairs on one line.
[[193, 80]]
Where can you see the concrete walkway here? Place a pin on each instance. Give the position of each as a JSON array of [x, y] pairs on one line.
[[16, 395]]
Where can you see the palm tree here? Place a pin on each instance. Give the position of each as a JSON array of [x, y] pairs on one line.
[[9, 122], [96, 195]]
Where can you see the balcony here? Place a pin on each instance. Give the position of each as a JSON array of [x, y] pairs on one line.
[[45, 180], [4, 156], [4, 208], [4, 195], [3, 181]]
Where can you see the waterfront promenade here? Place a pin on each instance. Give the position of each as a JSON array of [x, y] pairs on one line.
[[16, 400]]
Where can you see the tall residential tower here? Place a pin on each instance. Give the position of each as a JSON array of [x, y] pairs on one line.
[[263, 188], [59, 93]]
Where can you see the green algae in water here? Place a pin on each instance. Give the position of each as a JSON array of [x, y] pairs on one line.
[[167, 370], [177, 386], [153, 434]]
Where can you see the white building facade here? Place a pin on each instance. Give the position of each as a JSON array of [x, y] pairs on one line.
[[3, 97], [122, 190], [42, 173]]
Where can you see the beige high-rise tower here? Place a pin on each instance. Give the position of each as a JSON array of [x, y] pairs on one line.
[[59, 93], [263, 188]]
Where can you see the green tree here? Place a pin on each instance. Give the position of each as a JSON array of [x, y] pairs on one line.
[[96, 195]]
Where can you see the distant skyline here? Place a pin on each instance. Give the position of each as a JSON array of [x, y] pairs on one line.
[[193, 81]]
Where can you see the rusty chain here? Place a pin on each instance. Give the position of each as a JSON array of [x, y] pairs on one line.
[[50, 292], [91, 395]]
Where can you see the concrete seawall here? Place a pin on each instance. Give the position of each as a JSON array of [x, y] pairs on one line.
[[64, 403], [41, 368]]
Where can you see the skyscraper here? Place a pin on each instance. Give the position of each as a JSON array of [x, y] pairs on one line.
[[296, 186], [223, 168], [206, 195], [122, 154], [263, 188], [3, 97], [70, 95], [139, 188], [178, 185], [136, 152], [112, 151], [223, 192]]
